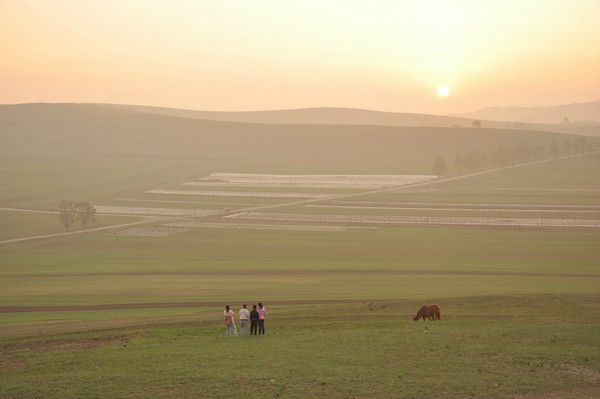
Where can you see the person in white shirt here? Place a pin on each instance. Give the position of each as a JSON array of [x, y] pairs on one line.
[[229, 320], [244, 319]]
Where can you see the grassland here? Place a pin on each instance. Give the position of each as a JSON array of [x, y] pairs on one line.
[[115, 313], [95, 153], [491, 347], [567, 181], [24, 224]]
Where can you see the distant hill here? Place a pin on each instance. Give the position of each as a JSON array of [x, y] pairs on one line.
[[315, 116], [85, 151], [577, 113], [353, 116]]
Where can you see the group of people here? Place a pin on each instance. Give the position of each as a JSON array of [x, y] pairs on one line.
[[254, 317]]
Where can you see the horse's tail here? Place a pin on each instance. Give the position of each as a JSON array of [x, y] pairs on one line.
[[436, 309]]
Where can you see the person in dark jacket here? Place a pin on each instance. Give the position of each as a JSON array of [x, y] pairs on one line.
[[253, 320]]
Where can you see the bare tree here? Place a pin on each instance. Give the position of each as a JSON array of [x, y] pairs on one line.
[[439, 166], [458, 162], [555, 150], [86, 212], [569, 148], [500, 156], [477, 124], [66, 213]]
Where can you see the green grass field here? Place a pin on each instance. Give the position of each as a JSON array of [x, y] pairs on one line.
[[136, 311], [485, 347], [23, 224], [520, 314]]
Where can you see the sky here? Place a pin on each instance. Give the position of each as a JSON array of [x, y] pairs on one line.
[[249, 55]]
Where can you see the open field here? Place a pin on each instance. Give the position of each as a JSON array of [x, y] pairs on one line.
[[569, 182], [134, 210], [305, 352], [15, 224], [362, 182], [323, 232], [520, 311], [56, 151]]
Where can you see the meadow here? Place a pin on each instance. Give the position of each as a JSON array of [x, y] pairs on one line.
[[135, 311], [520, 314]]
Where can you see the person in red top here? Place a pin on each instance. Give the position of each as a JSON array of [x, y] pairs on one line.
[[262, 312], [229, 320]]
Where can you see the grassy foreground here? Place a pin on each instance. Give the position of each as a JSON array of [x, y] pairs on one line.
[[492, 347]]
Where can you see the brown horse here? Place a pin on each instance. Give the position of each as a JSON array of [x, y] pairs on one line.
[[431, 312]]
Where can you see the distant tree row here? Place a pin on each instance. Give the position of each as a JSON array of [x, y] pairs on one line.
[[69, 212], [520, 153], [580, 145]]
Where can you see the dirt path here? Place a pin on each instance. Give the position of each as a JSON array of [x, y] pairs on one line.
[[154, 305], [94, 229], [315, 273], [27, 210]]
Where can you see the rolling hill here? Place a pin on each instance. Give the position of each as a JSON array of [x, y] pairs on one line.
[[85, 151], [580, 112], [353, 116]]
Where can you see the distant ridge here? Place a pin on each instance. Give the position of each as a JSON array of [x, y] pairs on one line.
[[587, 112], [335, 116], [315, 115]]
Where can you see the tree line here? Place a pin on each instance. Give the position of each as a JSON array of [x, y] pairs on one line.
[[70, 212], [520, 153]]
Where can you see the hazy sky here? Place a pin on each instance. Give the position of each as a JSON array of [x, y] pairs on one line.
[[242, 55]]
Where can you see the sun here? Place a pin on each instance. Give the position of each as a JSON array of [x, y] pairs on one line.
[[443, 91]]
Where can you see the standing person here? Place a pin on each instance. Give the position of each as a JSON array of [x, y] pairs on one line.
[[229, 319], [253, 320], [262, 312], [244, 316]]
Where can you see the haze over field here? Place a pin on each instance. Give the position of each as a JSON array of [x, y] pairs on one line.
[[581, 112], [391, 56], [411, 189]]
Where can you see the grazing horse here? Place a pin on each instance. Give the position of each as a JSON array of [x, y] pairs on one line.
[[432, 312]]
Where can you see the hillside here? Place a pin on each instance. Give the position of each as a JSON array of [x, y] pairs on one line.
[[353, 116], [52, 151], [579, 112], [316, 116]]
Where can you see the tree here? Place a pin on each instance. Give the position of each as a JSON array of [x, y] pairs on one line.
[[66, 213], [500, 156], [477, 124], [86, 212], [581, 145], [522, 153], [566, 120], [569, 147], [555, 150], [539, 151], [458, 162], [439, 166]]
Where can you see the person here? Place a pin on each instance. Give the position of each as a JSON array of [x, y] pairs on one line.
[[262, 312], [244, 316], [253, 320], [229, 319]]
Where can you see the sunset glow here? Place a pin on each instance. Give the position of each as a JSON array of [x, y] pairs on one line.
[[443, 91], [281, 54]]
